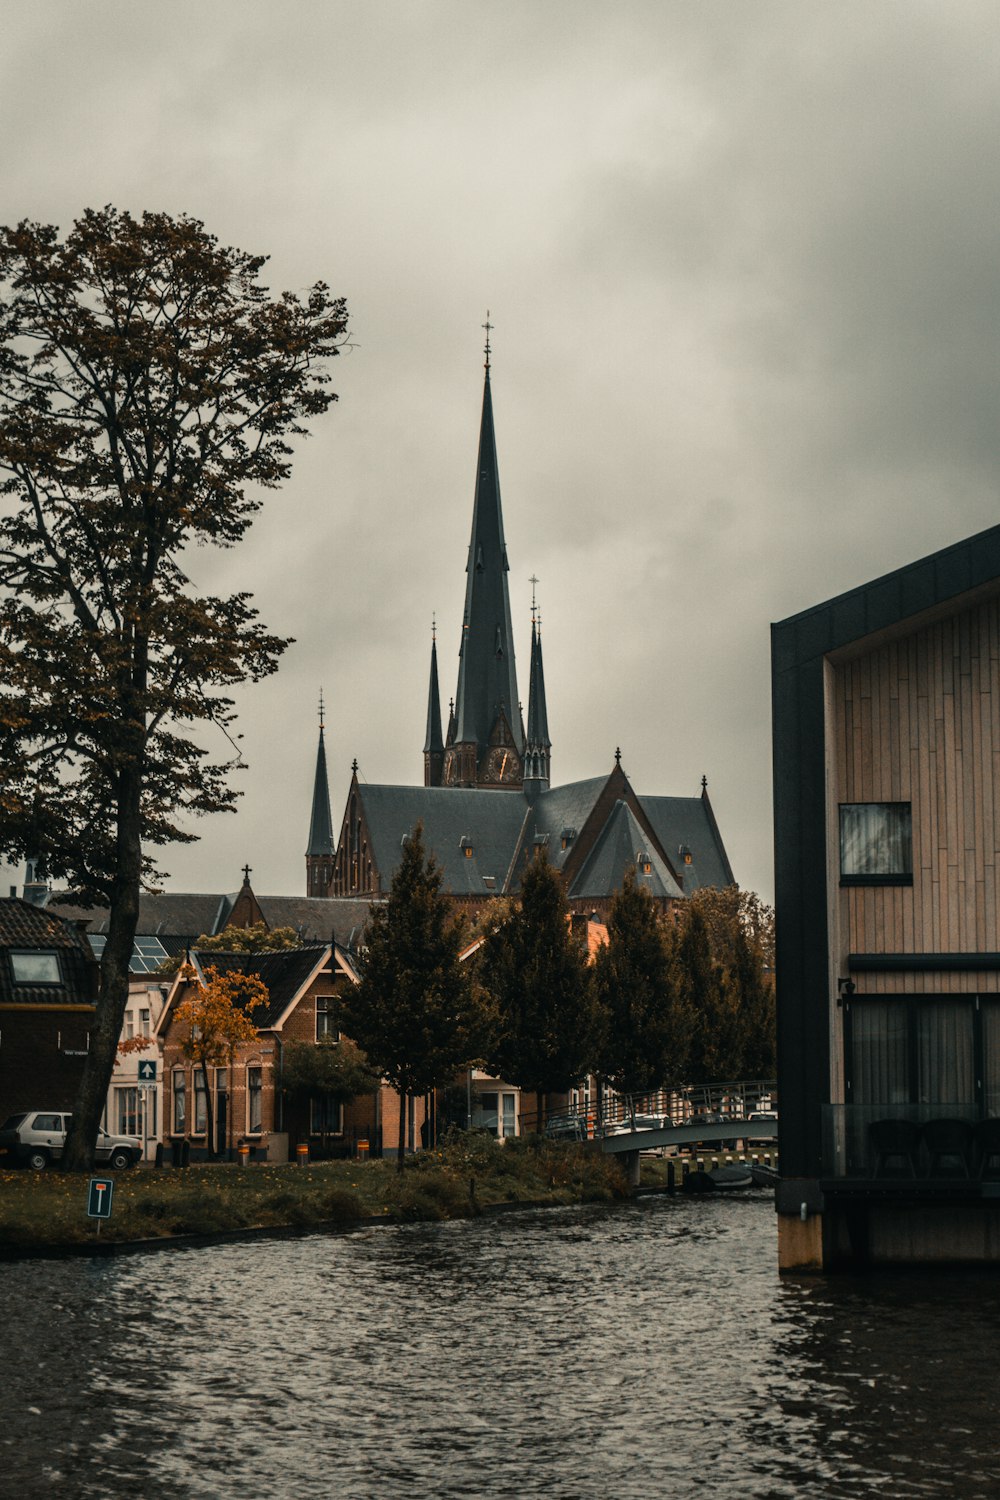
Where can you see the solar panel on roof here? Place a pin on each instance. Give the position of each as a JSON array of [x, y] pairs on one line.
[[148, 953]]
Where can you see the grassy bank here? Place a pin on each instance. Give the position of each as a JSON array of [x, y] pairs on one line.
[[469, 1174]]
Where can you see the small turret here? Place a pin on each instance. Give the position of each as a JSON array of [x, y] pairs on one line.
[[538, 746]]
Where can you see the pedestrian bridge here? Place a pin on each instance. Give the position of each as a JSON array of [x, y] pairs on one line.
[[717, 1116]]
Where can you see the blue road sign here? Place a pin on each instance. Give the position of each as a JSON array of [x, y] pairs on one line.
[[147, 1070], [101, 1192]]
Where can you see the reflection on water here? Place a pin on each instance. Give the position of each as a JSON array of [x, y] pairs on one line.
[[634, 1352]]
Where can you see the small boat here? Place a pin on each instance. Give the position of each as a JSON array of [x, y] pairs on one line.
[[726, 1179]]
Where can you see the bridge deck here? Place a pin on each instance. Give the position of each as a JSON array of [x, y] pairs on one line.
[[693, 1132]]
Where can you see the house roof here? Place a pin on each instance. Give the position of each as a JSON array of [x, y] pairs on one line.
[[171, 913], [177, 919], [285, 973], [970, 567], [562, 808], [26, 927]]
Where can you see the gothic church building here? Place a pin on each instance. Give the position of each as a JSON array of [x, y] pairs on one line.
[[487, 804]]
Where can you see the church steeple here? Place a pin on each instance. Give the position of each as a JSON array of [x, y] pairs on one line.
[[487, 707], [320, 851], [433, 743], [538, 746]]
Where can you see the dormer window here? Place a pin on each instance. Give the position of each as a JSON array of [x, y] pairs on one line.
[[643, 862], [685, 854], [566, 837], [35, 968], [467, 847]]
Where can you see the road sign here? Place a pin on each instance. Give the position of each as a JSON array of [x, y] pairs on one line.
[[146, 1083], [147, 1070], [101, 1192]]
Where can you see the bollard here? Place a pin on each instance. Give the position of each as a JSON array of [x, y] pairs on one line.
[[243, 1153], [362, 1151], [302, 1155]]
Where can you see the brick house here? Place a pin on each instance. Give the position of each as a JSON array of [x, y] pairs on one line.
[[48, 990], [248, 1103]]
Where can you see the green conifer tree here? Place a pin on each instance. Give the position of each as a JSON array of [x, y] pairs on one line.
[[416, 1014]]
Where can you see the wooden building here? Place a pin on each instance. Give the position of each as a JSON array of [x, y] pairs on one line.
[[887, 844]]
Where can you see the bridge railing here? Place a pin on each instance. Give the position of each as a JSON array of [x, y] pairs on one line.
[[609, 1113]]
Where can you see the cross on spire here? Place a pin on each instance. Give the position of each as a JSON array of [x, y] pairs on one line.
[[533, 581], [489, 328], [321, 715], [246, 874]]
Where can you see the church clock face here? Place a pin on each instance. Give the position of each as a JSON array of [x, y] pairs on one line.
[[502, 765]]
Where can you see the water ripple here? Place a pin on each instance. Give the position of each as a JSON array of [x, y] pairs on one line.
[[632, 1352]]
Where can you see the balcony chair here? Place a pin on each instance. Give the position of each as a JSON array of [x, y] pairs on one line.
[[893, 1140], [947, 1140], [986, 1134]]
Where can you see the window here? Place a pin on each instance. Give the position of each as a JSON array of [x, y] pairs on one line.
[[180, 1100], [200, 1104], [326, 1018], [876, 843], [127, 1111], [255, 1081], [326, 1116], [35, 968], [129, 1026], [144, 1022], [923, 1050]]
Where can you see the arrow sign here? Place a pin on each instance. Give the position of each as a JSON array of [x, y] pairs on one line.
[[147, 1071], [99, 1202]]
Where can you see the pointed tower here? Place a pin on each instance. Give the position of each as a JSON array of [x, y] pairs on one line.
[[433, 743], [538, 746], [486, 746], [320, 850]]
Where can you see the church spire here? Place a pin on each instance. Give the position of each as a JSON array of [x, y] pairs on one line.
[[487, 712], [538, 746], [433, 743], [320, 851]]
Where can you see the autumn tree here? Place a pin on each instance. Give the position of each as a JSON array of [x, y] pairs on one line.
[[722, 944], [646, 1020], [334, 1071], [417, 1014], [215, 1018], [548, 1022], [149, 389]]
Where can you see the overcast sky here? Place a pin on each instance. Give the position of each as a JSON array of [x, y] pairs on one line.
[[742, 262]]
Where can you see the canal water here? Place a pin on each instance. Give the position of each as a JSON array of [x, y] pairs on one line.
[[634, 1352]]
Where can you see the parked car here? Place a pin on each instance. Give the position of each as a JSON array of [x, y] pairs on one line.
[[761, 1114], [642, 1122], [37, 1136]]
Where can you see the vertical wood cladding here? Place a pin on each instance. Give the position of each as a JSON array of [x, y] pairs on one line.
[[918, 720]]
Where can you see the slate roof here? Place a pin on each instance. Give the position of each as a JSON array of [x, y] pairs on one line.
[[619, 845], [688, 822], [562, 807], [490, 822], [24, 926], [178, 919], [284, 973], [173, 913], [318, 918]]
